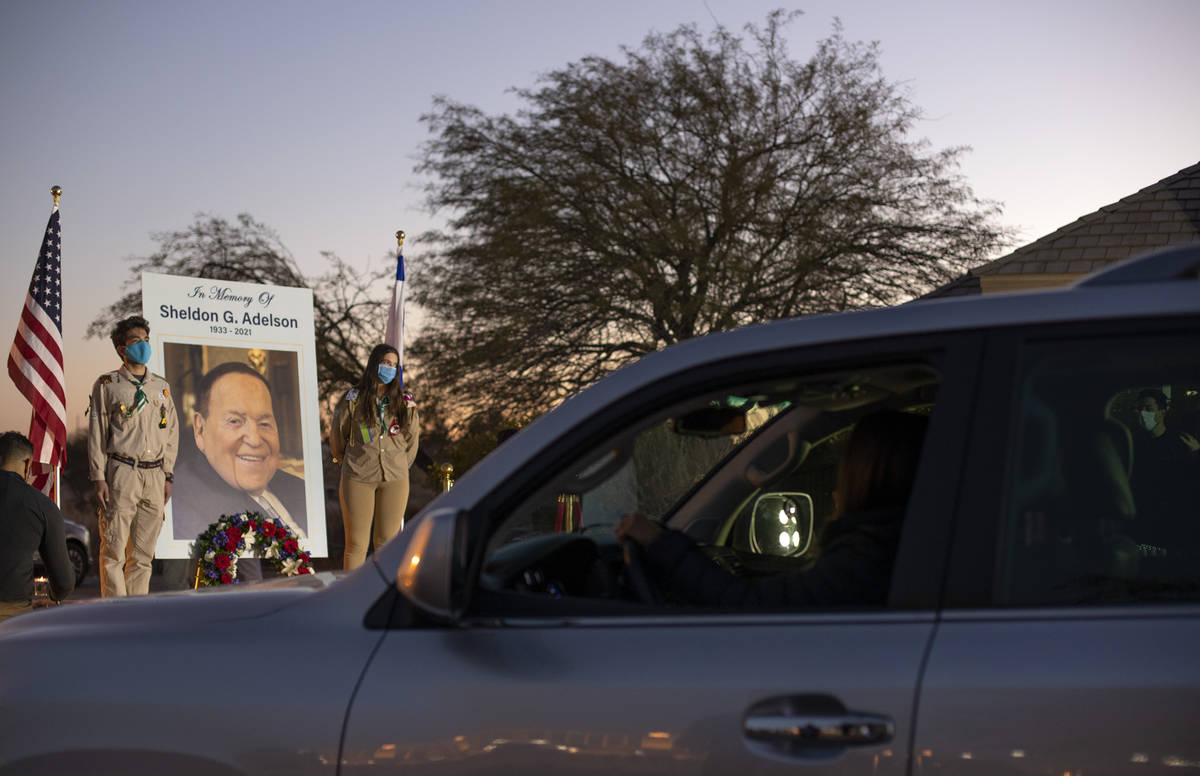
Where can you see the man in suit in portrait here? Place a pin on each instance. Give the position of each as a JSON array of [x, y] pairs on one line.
[[233, 464]]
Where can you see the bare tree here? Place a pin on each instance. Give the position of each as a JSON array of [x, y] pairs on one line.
[[694, 186], [348, 318]]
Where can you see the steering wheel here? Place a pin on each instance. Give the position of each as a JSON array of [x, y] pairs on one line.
[[635, 572]]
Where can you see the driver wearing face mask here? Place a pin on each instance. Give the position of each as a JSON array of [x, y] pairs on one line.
[[1166, 470]]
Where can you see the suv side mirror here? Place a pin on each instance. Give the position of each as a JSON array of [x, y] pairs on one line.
[[430, 561], [782, 524]]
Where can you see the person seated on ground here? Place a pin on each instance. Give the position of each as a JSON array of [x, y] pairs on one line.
[[875, 477], [29, 523]]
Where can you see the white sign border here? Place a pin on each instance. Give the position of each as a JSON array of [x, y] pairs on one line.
[[290, 304]]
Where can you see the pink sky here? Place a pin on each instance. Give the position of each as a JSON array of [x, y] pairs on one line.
[[305, 116]]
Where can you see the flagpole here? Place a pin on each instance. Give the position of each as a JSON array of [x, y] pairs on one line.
[[35, 362], [56, 192], [394, 330], [400, 322]]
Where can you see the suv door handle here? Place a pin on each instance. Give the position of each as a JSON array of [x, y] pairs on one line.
[[818, 730], [813, 725]]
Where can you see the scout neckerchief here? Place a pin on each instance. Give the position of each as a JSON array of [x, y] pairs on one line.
[[365, 430], [381, 404], [139, 398]]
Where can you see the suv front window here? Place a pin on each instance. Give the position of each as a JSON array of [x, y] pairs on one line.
[[748, 473], [647, 472]]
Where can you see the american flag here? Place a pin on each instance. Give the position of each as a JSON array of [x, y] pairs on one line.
[[35, 362], [394, 333]]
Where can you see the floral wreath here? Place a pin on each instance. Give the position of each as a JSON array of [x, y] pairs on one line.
[[223, 542]]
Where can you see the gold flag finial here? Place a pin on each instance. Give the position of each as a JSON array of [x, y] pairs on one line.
[[400, 239], [56, 192]]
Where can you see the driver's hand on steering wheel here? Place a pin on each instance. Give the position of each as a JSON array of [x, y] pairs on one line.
[[636, 526]]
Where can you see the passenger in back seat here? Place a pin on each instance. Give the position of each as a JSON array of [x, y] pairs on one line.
[[1166, 477]]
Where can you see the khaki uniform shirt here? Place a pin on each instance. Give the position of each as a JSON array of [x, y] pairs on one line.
[[149, 433], [387, 456]]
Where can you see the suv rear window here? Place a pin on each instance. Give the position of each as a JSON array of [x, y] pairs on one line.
[[1104, 482]]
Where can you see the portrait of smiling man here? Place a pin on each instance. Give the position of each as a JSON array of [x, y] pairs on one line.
[[233, 462]]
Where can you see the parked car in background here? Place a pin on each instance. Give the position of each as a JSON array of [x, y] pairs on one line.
[[78, 551], [1038, 619]]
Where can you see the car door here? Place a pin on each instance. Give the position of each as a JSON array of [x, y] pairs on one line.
[[575, 687], [1070, 640]]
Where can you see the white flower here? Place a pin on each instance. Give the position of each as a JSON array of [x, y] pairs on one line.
[[290, 568], [272, 551]]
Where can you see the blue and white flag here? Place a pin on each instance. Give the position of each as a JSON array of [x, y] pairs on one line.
[[394, 333]]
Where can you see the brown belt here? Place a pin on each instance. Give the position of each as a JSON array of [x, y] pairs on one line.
[[135, 462]]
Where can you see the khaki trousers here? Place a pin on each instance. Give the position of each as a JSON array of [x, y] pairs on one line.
[[370, 510], [129, 528], [13, 608]]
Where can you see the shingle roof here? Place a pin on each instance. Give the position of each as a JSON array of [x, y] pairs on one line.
[[966, 285], [1165, 213]]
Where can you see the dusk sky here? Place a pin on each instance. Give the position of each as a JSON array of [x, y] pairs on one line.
[[305, 114]]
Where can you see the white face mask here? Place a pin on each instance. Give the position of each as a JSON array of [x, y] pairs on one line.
[[1149, 419]]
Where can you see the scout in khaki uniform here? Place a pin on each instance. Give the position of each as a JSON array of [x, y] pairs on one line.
[[374, 437], [133, 437]]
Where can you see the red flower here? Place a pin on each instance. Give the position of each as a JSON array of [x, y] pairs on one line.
[[251, 526], [304, 557], [268, 530], [290, 545], [226, 579], [234, 533], [222, 561], [304, 570]]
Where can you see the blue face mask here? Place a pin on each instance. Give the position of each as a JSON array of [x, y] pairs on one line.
[[386, 373], [138, 352]]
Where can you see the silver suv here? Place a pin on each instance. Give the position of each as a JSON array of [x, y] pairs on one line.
[[1040, 608]]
